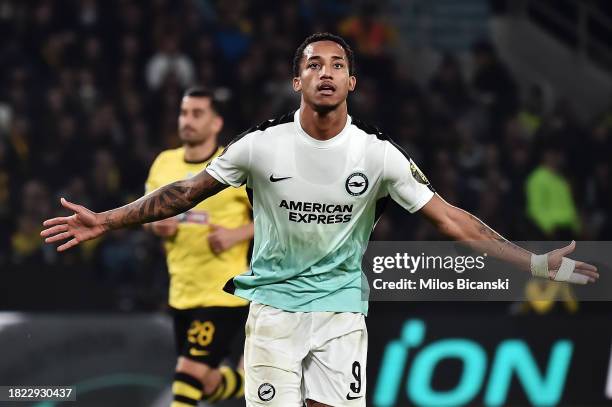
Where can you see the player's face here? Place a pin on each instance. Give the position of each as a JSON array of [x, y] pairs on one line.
[[197, 120], [324, 76]]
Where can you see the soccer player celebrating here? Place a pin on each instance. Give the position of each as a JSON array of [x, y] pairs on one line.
[[317, 179], [205, 247]]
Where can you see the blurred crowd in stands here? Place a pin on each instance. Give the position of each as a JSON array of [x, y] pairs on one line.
[[90, 90]]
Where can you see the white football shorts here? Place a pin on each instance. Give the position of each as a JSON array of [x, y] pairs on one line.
[[291, 357]]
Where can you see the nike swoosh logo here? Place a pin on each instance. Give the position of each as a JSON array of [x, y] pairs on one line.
[[349, 397], [272, 179], [197, 352]]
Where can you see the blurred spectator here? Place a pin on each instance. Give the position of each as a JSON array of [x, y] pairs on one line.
[[26, 247], [532, 112], [19, 146], [5, 203], [516, 165], [105, 181], [494, 86], [370, 34], [449, 93], [169, 61], [365, 102], [550, 204], [598, 145], [234, 32], [599, 202], [279, 88], [372, 37]]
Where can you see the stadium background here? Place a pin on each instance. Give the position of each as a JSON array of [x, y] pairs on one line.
[[477, 91]]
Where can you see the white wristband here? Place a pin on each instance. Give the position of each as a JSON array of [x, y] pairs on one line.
[[539, 265]]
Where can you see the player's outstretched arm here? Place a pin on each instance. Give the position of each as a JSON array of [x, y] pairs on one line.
[[162, 203], [462, 225]]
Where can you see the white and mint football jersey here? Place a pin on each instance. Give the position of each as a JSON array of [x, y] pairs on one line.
[[315, 204]]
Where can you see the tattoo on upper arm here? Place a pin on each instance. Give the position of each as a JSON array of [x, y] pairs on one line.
[[165, 202]]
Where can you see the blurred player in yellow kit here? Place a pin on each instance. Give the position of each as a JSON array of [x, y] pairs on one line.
[[205, 247]]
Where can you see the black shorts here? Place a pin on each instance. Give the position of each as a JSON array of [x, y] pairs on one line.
[[209, 335]]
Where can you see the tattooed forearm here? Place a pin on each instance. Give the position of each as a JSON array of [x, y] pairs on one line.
[[462, 226], [164, 202], [486, 233], [485, 239]]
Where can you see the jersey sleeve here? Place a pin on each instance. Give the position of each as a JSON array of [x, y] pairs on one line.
[[233, 165], [404, 181]]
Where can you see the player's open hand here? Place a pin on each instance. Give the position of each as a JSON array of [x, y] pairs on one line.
[[583, 272], [81, 226], [221, 239]]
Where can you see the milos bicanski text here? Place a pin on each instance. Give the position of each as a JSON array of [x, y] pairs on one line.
[[409, 263]]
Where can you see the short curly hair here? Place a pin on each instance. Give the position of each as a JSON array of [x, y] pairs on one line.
[[299, 53]]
